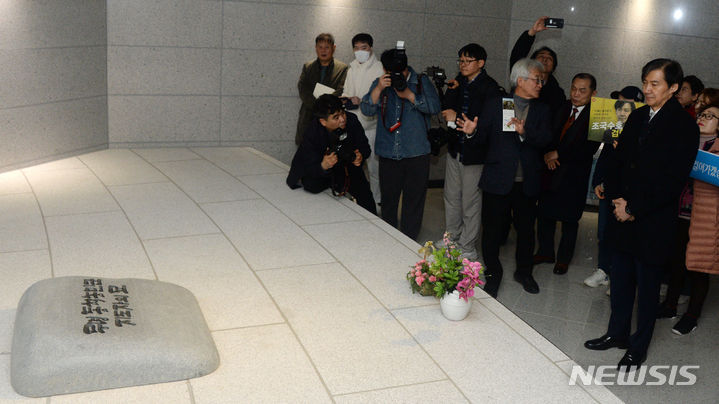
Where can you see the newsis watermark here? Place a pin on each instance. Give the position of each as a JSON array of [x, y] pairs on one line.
[[655, 375]]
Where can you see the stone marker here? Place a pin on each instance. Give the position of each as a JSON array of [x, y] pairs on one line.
[[77, 334]]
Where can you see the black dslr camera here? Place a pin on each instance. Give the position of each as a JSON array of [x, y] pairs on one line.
[[396, 66], [440, 136], [437, 137], [341, 146], [438, 77]]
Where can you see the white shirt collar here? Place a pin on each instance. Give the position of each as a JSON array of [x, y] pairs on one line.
[[653, 112], [579, 109]]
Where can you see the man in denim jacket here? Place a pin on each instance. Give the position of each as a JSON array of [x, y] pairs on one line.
[[403, 102]]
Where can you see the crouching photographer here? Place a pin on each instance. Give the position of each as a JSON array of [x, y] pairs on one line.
[[331, 154]]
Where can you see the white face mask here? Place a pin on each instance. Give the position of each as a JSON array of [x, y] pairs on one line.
[[362, 55]]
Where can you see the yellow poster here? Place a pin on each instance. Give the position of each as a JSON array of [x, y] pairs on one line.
[[607, 117]]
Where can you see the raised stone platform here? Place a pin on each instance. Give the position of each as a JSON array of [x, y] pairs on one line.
[[77, 334]]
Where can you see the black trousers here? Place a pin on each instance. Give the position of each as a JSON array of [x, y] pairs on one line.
[[354, 179], [408, 178], [632, 276], [546, 228], [498, 212], [677, 267]]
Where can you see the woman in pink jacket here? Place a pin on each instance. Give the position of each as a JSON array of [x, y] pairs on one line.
[[702, 256]]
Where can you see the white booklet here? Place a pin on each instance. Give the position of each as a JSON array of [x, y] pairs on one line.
[[507, 114], [321, 89]]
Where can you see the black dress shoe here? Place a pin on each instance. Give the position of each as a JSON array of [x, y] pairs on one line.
[[605, 342], [528, 283], [560, 269], [491, 286], [541, 259], [631, 361]]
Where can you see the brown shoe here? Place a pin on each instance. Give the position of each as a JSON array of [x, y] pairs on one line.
[[560, 269], [541, 259]]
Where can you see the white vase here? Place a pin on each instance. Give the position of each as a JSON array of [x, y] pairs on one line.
[[453, 307]]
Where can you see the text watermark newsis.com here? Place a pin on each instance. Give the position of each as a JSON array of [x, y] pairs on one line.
[[655, 375]]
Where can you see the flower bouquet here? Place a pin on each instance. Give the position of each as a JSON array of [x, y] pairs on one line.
[[442, 271]]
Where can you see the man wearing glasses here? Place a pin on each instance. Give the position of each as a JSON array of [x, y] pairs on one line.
[[467, 95], [512, 168], [551, 94]]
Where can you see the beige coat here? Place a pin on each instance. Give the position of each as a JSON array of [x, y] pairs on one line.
[[703, 247]]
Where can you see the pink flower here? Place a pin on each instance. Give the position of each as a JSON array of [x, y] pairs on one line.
[[432, 278], [419, 280]]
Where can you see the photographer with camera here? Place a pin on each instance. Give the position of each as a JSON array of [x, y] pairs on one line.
[[552, 94], [404, 102], [467, 95], [331, 154]]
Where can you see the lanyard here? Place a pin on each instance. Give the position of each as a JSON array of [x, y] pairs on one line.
[[383, 109]]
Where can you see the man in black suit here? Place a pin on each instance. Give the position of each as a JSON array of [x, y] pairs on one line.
[[645, 176], [566, 178], [510, 178]]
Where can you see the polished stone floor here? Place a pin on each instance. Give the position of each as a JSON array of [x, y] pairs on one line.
[[567, 313], [304, 294]]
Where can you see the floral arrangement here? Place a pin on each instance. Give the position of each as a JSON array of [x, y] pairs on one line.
[[442, 271]]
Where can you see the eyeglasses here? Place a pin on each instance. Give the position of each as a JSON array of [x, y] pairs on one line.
[[537, 80], [465, 62], [707, 116]]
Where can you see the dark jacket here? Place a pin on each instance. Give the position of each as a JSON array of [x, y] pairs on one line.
[[565, 188], [551, 93], [600, 168], [310, 76], [648, 169], [505, 149], [482, 88], [308, 157]]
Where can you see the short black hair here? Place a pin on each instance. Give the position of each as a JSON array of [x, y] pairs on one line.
[[551, 52], [327, 105], [620, 103], [696, 85], [586, 76], [393, 60], [673, 73], [362, 37], [473, 50]]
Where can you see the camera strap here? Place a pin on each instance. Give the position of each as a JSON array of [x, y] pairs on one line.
[[345, 186], [383, 109]]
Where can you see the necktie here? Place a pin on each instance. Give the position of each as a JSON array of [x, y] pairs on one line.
[[569, 122]]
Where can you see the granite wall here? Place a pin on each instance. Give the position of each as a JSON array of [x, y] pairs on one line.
[[53, 85], [613, 39], [82, 74], [184, 72]]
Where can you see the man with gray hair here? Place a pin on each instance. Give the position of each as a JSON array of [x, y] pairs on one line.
[[510, 179]]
